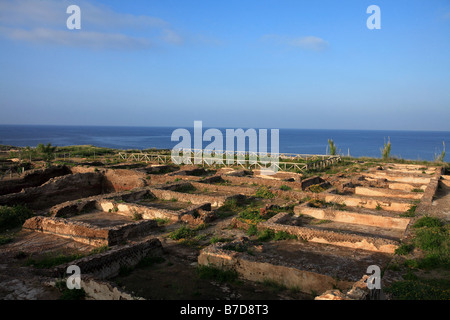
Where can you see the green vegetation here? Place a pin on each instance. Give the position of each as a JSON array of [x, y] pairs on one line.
[[183, 232], [264, 192], [417, 190], [51, 260], [316, 188], [332, 147], [100, 249], [12, 217], [322, 221], [216, 239], [285, 187], [46, 151], [440, 158], [229, 208], [185, 188], [431, 236], [69, 294], [427, 222], [420, 289], [265, 235], [162, 221], [137, 216], [252, 230], [386, 151], [411, 212], [404, 249], [212, 273], [5, 239]]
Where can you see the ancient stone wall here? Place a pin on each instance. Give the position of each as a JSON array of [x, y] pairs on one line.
[[32, 178], [108, 264], [57, 190]]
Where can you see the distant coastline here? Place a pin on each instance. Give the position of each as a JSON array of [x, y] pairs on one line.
[[409, 145]]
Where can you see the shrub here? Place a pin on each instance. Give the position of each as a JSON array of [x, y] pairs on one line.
[[252, 230], [404, 249], [212, 273], [283, 235], [12, 217], [285, 188], [386, 151], [264, 192], [182, 233], [266, 235], [427, 222], [316, 188], [216, 239], [332, 147]]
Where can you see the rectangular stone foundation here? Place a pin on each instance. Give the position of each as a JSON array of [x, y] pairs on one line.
[[377, 220], [347, 240], [87, 233]]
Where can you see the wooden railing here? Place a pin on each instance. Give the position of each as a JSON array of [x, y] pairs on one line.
[[247, 160]]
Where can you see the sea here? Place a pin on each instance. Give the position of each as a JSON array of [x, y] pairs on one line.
[[409, 145]]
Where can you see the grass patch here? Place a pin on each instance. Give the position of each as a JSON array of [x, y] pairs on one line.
[[70, 294], [183, 232], [252, 230], [5, 240], [283, 235], [100, 249], [137, 216], [216, 239], [411, 212], [162, 221], [212, 273], [432, 237], [264, 192], [420, 290], [285, 187], [417, 190], [317, 222], [404, 249], [429, 222], [229, 208], [50, 260], [316, 188], [12, 217]]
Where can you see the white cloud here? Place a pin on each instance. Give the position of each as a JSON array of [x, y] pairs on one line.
[[311, 43], [86, 39], [44, 22]]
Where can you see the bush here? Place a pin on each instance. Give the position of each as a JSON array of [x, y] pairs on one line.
[[386, 151], [266, 235], [283, 235], [182, 233], [404, 249], [12, 217], [264, 192], [212, 273], [419, 290], [428, 222], [332, 147], [285, 187]]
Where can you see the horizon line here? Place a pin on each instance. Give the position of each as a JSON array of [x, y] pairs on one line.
[[219, 127]]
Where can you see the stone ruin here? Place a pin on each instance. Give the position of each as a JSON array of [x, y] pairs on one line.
[[334, 228]]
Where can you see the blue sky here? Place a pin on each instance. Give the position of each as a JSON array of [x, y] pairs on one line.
[[265, 64]]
